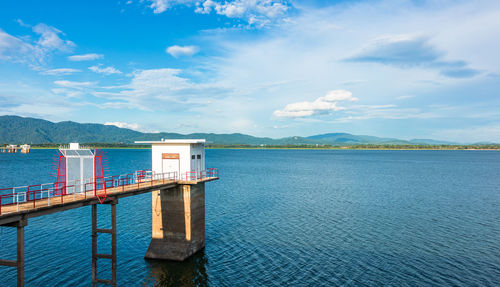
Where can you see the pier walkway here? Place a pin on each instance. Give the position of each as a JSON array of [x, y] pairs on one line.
[[18, 204], [36, 200]]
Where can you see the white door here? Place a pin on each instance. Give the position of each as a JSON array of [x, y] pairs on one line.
[[170, 165]]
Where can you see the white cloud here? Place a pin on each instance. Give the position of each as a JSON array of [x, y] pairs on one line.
[[404, 97], [85, 57], [244, 8], [60, 71], [72, 89], [159, 90], [177, 51], [131, 126], [49, 38], [22, 99], [253, 11], [472, 134], [157, 80], [159, 6], [22, 24], [40, 109], [33, 51], [324, 104], [105, 71], [68, 92], [12, 48], [71, 84]]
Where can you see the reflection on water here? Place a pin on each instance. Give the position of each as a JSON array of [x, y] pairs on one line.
[[192, 272]]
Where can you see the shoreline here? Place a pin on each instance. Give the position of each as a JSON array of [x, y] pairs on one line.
[[299, 148]]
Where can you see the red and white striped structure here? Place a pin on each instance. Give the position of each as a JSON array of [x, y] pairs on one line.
[[78, 168]]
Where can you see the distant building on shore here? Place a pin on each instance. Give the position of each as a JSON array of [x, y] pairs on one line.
[[25, 148]]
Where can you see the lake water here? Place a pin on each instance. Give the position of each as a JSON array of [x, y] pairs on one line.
[[288, 217]]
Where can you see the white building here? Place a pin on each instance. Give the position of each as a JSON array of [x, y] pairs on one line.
[[186, 157]]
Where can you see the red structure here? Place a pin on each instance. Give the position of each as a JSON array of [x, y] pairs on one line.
[[60, 184], [80, 170], [99, 182]]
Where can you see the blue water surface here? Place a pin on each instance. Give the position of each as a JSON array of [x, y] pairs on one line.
[[287, 217]]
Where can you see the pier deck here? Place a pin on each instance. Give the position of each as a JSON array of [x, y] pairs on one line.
[[16, 211], [18, 204], [39, 205]]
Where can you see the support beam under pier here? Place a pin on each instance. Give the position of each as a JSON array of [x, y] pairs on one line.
[[178, 222], [19, 263], [96, 255]]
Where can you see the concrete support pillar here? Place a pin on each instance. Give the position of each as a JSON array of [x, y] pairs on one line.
[[178, 222]]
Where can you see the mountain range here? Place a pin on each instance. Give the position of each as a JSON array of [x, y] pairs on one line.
[[19, 130]]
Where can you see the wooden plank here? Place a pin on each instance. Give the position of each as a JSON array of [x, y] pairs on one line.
[[104, 281], [105, 256], [10, 263], [102, 230], [170, 156]]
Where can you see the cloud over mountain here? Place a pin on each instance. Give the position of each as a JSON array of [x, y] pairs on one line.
[[326, 104]]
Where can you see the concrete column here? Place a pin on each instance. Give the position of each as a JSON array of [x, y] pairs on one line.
[[178, 222]]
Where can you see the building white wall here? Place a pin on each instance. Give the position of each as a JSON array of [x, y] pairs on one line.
[[185, 151]]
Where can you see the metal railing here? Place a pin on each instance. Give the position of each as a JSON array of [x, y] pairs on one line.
[[97, 188], [198, 175]]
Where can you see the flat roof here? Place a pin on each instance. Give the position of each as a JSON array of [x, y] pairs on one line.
[[171, 141]]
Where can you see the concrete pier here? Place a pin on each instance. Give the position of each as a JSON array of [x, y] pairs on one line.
[[178, 222], [176, 181]]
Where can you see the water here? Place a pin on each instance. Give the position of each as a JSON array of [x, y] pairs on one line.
[[289, 217]]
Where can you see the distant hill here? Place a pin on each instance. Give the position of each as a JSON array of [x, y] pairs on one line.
[[345, 138], [432, 142], [18, 130]]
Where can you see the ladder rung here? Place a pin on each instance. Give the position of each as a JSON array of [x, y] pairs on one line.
[[107, 256], [105, 281], [11, 263], [102, 230]]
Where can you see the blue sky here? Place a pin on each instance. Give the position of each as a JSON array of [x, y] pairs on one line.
[[395, 68]]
